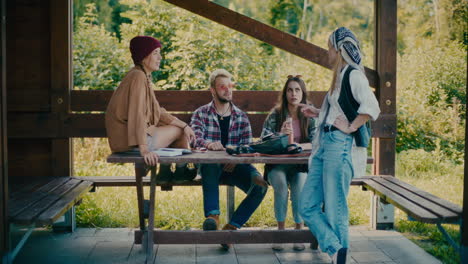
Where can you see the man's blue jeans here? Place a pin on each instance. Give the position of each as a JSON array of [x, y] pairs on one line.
[[240, 177], [324, 205]]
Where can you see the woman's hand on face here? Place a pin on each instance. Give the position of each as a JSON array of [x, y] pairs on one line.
[[188, 131], [309, 110]]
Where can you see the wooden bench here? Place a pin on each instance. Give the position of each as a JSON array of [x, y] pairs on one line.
[[40, 203], [416, 203]]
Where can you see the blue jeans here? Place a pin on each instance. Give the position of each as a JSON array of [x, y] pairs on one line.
[[280, 177], [240, 177], [324, 196]]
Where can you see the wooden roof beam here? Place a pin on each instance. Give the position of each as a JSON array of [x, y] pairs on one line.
[[263, 32]]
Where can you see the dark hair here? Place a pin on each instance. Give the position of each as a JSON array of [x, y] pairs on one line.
[[281, 108]]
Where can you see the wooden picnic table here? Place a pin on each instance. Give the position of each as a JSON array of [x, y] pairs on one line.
[[209, 157]]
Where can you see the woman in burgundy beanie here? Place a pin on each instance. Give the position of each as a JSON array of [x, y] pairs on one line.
[[134, 119]]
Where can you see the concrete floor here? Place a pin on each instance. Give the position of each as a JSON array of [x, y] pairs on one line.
[[115, 245]]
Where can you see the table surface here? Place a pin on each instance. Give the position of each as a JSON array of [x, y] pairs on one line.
[[210, 157]]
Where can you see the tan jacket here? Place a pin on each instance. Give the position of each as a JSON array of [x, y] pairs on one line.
[[133, 112]]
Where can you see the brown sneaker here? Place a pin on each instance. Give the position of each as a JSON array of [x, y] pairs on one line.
[[211, 223], [228, 227]]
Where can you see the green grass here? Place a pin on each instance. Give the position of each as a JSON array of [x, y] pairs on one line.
[[182, 208]]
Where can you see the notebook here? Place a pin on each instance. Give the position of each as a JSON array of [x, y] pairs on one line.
[[171, 152]]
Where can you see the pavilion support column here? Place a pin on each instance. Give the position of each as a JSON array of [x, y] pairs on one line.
[[61, 81], [385, 64], [61, 85], [4, 225]]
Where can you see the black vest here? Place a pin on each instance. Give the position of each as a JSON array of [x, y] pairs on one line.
[[349, 105]]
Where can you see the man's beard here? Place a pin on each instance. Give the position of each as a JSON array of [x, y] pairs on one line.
[[222, 100]]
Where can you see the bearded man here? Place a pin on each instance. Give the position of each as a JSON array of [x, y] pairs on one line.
[[217, 125]]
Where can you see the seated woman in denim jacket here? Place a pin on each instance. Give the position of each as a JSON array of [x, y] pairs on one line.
[[287, 118]]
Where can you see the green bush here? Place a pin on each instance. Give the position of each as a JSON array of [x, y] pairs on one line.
[[431, 99], [99, 61]]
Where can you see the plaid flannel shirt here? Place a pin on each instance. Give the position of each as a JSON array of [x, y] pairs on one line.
[[206, 126]]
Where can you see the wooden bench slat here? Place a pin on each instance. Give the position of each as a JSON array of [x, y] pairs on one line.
[[28, 216], [29, 199], [61, 206], [120, 181], [93, 125], [437, 200], [129, 181], [408, 207], [19, 190], [410, 195], [248, 101]]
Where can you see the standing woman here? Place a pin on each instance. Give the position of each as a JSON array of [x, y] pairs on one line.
[[134, 118], [287, 119], [348, 105]]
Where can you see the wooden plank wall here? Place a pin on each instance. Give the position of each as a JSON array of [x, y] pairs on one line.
[[4, 226], [38, 44], [87, 118]]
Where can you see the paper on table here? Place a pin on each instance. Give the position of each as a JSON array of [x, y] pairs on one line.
[[170, 152]]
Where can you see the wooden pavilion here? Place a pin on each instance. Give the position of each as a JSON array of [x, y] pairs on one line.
[[39, 110]]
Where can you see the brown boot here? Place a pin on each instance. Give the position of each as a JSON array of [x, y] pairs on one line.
[[211, 223], [228, 227]]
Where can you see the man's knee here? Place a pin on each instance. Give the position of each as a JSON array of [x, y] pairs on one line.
[[259, 191], [210, 171]]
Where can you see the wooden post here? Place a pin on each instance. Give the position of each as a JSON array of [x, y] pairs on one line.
[[4, 225], [61, 81], [61, 84], [385, 64], [464, 224]]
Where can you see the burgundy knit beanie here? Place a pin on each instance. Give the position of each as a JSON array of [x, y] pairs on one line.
[[142, 46]]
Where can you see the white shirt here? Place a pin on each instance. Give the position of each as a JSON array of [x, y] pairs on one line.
[[361, 93]]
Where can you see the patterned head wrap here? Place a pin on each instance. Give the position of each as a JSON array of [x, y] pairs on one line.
[[344, 40]]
